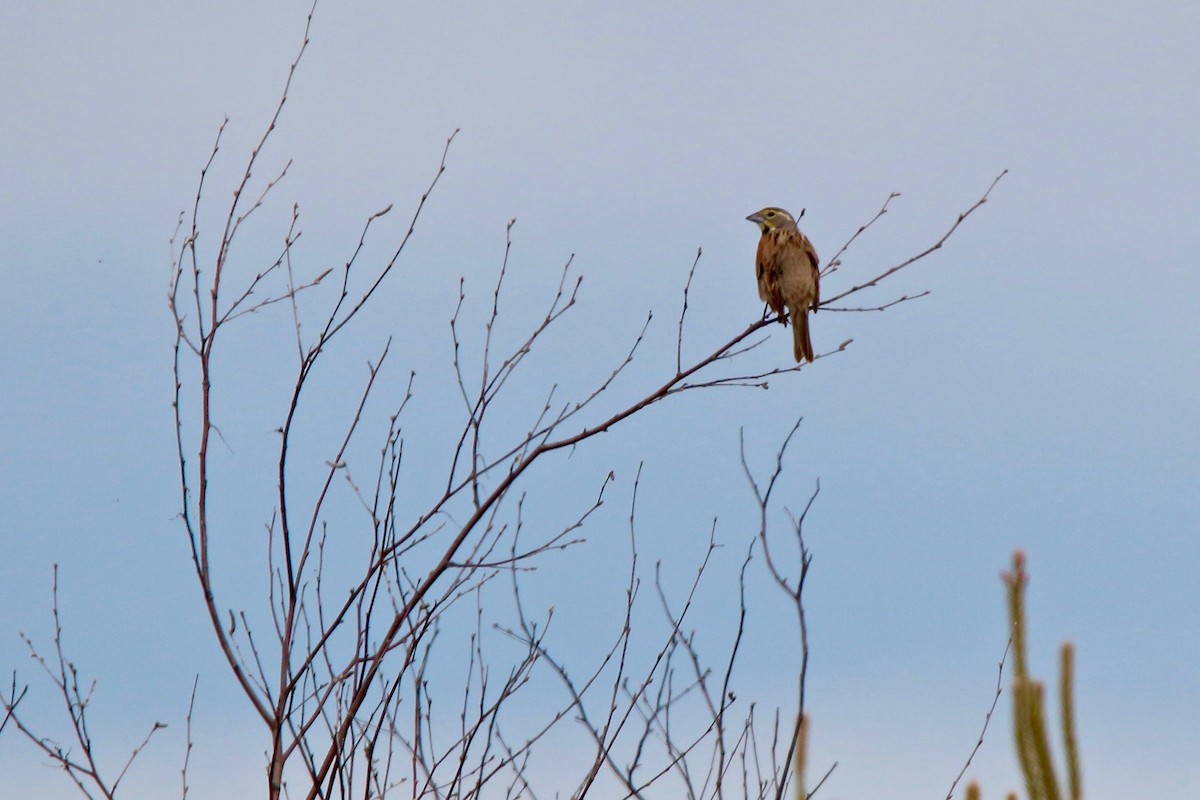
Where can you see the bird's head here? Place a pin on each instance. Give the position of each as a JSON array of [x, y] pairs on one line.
[[771, 218]]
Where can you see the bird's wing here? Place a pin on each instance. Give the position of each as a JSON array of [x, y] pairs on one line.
[[800, 271], [766, 269], [815, 260]]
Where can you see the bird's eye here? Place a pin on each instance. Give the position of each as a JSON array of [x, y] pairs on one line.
[[770, 214]]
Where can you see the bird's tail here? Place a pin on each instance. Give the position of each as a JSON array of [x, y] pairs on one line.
[[802, 347]]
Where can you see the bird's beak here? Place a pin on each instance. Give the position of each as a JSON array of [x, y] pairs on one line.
[[756, 218]]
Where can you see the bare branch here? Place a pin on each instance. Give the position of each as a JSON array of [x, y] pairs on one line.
[[187, 754], [836, 261], [913, 259], [884, 306], [986, 720], [687, 287]]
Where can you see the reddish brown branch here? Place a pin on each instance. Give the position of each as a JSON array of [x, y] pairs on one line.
[[927, 251]]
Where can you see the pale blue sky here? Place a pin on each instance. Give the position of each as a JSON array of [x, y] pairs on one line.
[[1044, 396]]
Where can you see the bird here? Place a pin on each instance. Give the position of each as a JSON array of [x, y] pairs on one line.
[[786, 268]]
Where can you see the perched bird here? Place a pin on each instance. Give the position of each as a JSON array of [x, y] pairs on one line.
[[786, 267]]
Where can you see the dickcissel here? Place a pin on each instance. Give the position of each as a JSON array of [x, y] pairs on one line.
[[786, 267]]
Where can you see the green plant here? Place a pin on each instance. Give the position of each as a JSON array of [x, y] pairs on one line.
[[1031, 735]]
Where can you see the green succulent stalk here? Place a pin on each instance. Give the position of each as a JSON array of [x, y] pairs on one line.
[[1031, 735]]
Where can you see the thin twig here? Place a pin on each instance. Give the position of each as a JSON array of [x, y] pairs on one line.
[[987, 719], [927, 251]]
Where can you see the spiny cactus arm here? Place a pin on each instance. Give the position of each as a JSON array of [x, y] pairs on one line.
[[1066, 694], [1032, 742], [1038, 738]]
